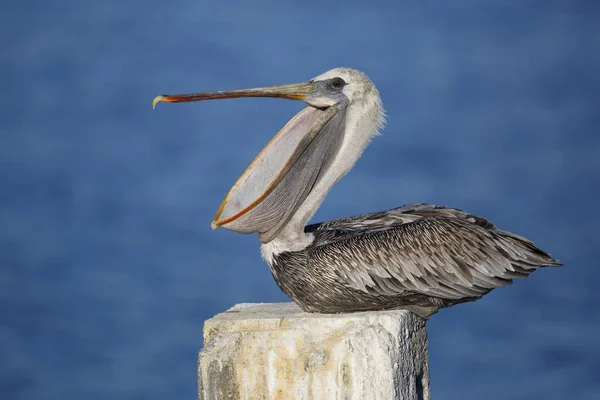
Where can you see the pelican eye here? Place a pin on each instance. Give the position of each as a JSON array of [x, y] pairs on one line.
[[337, 83]]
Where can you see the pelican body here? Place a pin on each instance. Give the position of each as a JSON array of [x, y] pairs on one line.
[[419, 257]]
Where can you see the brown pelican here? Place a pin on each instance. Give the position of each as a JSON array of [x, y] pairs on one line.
[[419, 257]]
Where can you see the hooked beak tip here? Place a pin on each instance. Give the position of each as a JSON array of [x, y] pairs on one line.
[[157, 100]]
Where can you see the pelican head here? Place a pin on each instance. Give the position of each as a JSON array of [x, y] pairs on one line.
[[289, 178]]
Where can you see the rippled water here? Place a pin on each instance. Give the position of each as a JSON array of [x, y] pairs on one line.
[[108, 262]]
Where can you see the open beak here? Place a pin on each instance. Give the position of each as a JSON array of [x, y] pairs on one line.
[[284, 173], [294, 91]]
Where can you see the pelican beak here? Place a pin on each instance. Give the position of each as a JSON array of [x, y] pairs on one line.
[[284, 173], [294, 91]]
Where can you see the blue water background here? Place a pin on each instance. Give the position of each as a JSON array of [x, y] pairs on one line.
[[108, 265]]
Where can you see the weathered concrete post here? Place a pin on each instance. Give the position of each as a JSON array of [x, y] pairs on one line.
[[276, 351]]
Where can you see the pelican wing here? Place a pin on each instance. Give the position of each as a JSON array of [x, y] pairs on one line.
[[425, 249]]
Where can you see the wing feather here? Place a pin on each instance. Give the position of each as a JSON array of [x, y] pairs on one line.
[[425, 249]]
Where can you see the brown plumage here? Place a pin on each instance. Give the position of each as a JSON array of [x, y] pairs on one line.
[[420, 257]]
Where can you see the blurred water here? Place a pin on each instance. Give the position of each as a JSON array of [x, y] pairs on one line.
[[108, 263]]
